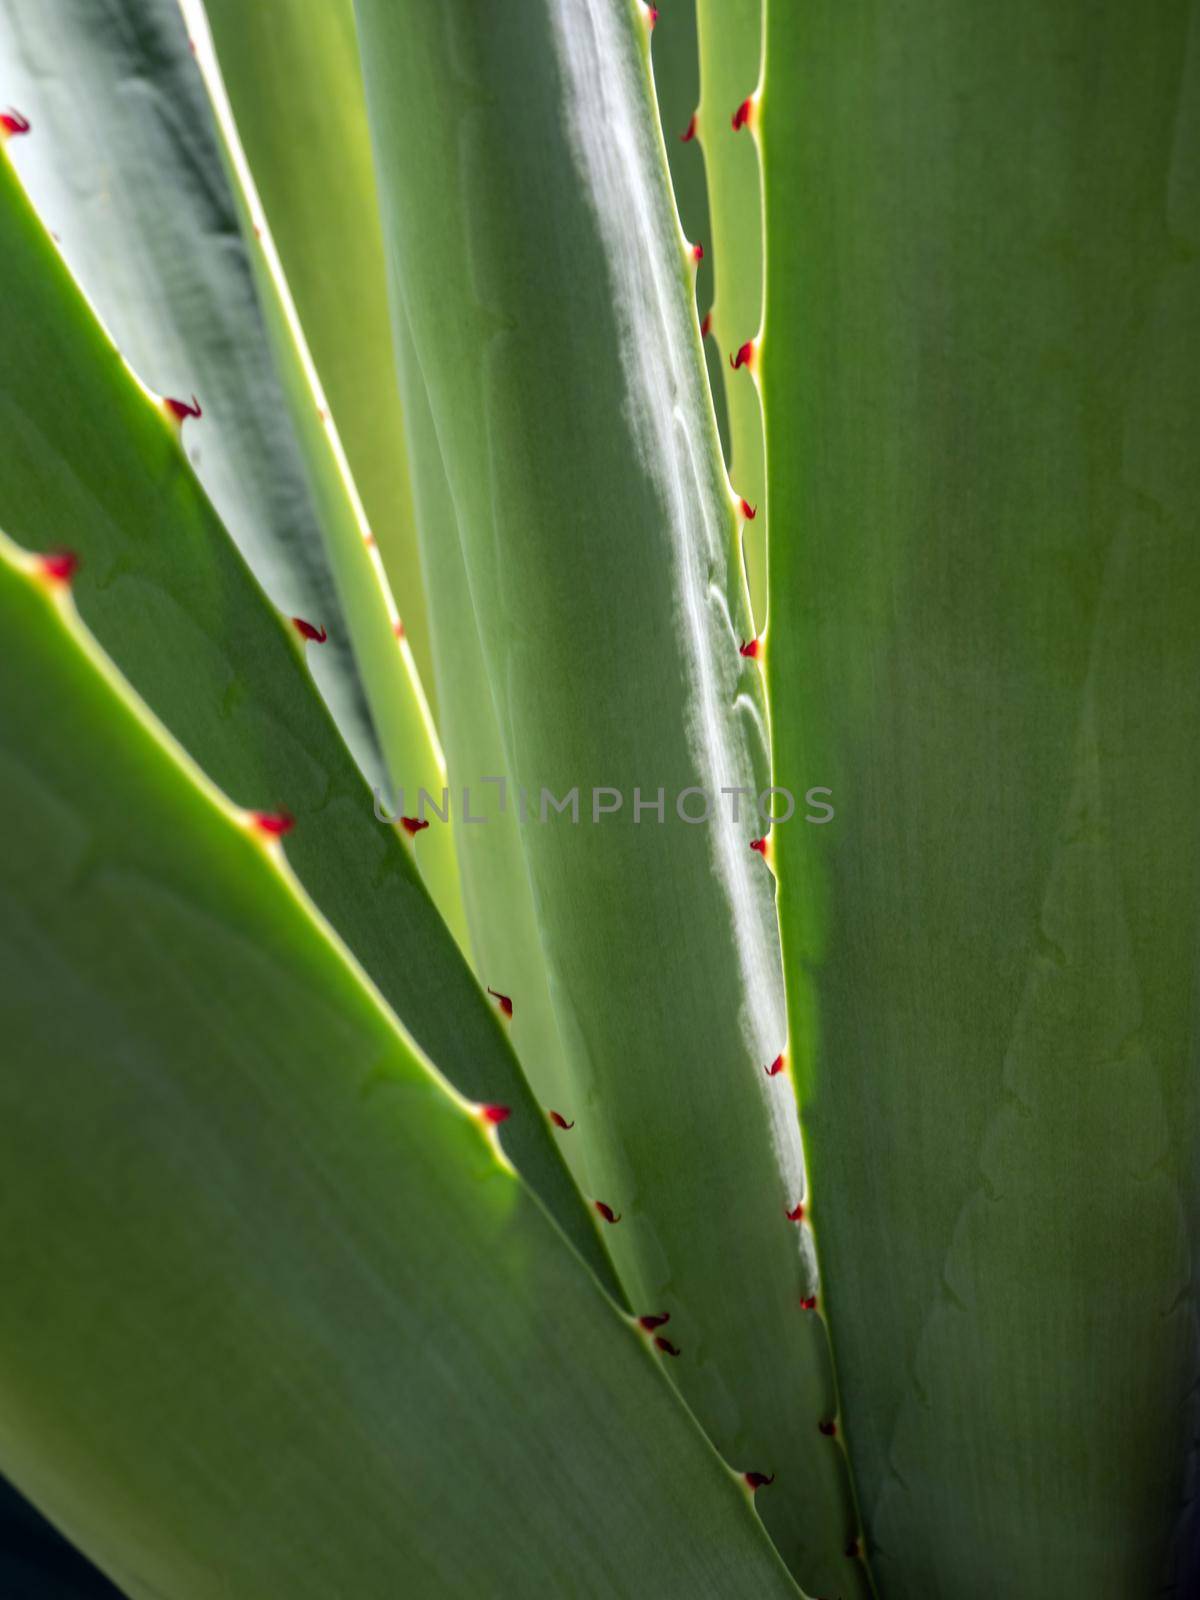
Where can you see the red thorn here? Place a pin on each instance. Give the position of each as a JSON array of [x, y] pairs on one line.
[[502, 1000], [758, 1480], [797, 1213], [658, 1320], [60, 565], [748, 511], [413, 825], [13, 124], [749, 649], [651, 16], [181, 411], [665, 1345], [606, 1211], [496, 1114], [697, 252], [743, 114], [775, 1068], [274, 823], [559, 1121], [809, 1303], [706, 325], [307, 631], [743, 356], [689, 133], [398, 628], [828, 1428], [760, 845]]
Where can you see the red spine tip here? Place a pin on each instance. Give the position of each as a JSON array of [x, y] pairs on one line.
[[749, 649], [797, 1213], [758, 1480], [665, 1345], [775, 1068], [743, 356], [496, 1114], [13, 124], [180, 410], [689, 133], [413, 825], [809, 1303], [606, 1211], [559, 1121], [651, 17], [760, 845], [742, 115], [697, 252], [706, 325], [828, 1428], [748, 511], [398, 628], [307, 631], [657, 1320], [274, 823], [502, 1001], [60, 565]]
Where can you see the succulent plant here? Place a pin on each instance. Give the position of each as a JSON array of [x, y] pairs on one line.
[[598, 753]]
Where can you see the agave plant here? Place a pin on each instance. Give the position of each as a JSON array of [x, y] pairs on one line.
[[599, 735]]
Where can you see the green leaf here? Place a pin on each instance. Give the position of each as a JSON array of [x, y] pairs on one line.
[[982, 389], [124, 165], [395, 693], [275, 1317], [293, 79], [497, 893], [730, 44], [90, 462], [676, 64], [550, 297]]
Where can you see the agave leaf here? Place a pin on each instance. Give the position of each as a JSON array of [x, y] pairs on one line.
[[396, 695], [505, 936], [730, 45], [985, 580], [91, 462], [274, 1312], [295, 87], [676, 63], [550, 297], [123, 163]]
